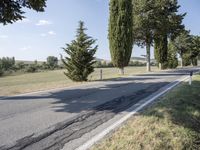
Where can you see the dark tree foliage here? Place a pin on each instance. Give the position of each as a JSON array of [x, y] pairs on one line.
[[120, 32], [172, 60], [195, 50], [11, 10], [1, 71], [52, 62], [182, 44], [20, 65], [168, 25], [31, 68], [144, 25], [161, 51], [186, 61], [80, 59], [7, 63]]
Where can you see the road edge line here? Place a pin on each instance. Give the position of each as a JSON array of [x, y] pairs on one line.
[[99, 136]]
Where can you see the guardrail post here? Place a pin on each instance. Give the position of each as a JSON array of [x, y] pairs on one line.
[[190, 79], [101, 74]]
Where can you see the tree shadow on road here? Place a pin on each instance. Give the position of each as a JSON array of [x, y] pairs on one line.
[[86, 98]]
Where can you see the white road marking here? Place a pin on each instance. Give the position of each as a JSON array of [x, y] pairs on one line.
[[99, 136]]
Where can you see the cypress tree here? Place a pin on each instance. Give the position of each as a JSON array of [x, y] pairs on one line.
[[120, 32], [161, 51], [172, 60], [80, 59]]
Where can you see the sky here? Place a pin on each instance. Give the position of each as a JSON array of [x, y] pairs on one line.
[[44, 34]]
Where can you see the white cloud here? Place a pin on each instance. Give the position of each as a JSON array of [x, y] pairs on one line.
[[25, 48], [25, 20], [3, 36], [43, 23], [51, 33]]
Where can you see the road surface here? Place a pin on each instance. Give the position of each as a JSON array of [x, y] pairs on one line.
[[50, 120]]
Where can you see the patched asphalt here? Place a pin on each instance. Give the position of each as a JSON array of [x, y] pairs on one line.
[[49, 120]]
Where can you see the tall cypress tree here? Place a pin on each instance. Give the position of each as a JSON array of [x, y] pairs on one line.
[[120, 32], [80, 59], [161, 51], [172, 60]]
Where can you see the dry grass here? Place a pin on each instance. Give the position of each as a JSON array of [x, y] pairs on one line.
[[11, 85], [173, 123]]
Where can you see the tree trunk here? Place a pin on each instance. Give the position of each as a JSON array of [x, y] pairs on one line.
[[181, 60], [160, 66], [121, 71], [148, 56]]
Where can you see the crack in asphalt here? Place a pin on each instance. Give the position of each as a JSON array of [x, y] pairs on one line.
[[56, 137]]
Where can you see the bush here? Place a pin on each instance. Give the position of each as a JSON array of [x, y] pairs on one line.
[[20, 66], [31, 68], [44, 66], [110, 64], [1, 72], [136, 63], [7, 63], [97, 64], [172, 60], [52, 62], [172, 63], [186, 60]]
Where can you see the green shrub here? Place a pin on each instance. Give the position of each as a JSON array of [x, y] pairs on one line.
[[137, 63], [1, 72], [186, 59], [20, 65], [31, 68], [7, 63], [52, 62]]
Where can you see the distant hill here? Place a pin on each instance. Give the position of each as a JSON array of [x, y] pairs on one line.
[[59, 61], [28, 62], [141, 59]]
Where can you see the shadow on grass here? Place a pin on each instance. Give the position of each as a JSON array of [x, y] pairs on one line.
[[182, 108]]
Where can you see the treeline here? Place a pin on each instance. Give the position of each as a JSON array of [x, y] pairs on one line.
[[151, 23], [9, 65], [104, 64]]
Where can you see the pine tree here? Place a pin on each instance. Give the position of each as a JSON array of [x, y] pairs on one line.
[[80, 59], [168, 25], [144, 25], [12, 10], [120, 32]]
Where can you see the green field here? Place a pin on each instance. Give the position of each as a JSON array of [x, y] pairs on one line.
[[17, 84], [173, 123]]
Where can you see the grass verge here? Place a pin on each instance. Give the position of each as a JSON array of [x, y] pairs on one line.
[[24, 83], [172, 123]]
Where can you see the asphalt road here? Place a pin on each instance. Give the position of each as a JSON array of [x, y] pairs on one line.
[[49, 120]]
